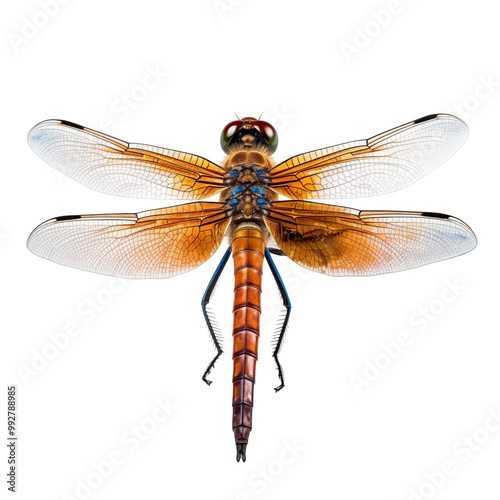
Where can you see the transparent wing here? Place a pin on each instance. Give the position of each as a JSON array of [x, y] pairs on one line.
[[387, 162], [155, 244], [113, 166], [345, 242]]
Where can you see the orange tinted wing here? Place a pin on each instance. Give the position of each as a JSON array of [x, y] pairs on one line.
[[345, 242], [113, 166], [385, 163], [155, 244]]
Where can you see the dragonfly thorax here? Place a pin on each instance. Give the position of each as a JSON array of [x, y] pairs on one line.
[[247, 195]]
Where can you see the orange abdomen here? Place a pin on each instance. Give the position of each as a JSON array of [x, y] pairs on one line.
[[248, 254]]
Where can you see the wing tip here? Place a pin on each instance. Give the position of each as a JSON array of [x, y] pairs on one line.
[[30, 242], [36, 133], [467, 236], [444, 116], [457, 122]]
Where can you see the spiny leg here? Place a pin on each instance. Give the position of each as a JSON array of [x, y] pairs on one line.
[[210, 321], [288, 307]]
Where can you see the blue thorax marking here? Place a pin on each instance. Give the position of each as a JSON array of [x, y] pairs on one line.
[[261, 201], [256, 189], [257, 170], [237, 190]]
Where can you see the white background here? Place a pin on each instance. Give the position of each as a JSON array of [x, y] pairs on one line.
[[148, 340]]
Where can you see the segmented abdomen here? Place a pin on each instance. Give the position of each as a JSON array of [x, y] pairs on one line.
[[248, 254]]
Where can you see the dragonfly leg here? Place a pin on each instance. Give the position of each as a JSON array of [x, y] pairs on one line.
[[212, 327], [284, 320]]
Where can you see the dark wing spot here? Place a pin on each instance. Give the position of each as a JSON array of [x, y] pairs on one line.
[[71, 124], [435, 215], [276, 251], [425, 118], [67, 217]]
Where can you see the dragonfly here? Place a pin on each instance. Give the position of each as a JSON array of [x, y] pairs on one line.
[[251, 216]]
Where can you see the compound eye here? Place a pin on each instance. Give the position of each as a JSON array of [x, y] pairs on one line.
[[268, 132], [228, 133]]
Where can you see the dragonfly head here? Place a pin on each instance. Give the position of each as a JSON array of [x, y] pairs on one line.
[[249, 133]]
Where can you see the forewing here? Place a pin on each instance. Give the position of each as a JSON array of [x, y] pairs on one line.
[[387, 162], [155, 244], [113, 166], [345, 242]]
